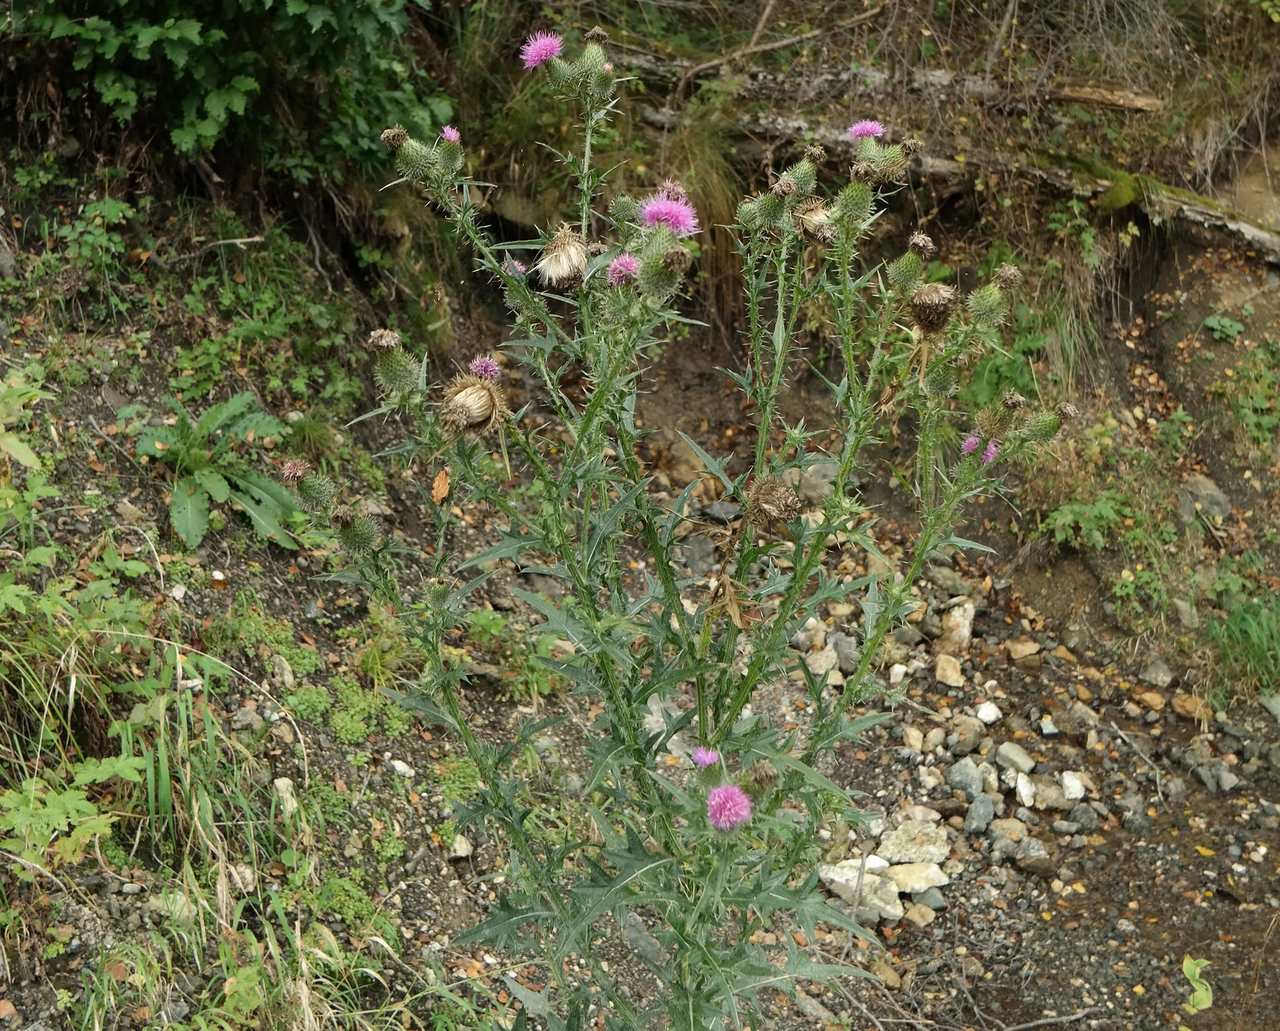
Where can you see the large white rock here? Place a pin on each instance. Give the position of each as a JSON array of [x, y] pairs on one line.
[[913, 877]]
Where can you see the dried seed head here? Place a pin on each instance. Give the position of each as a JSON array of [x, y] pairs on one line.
[[815, 221], [932, 305], [1008, 277], [472, 403], [911, 145], [862, 171], [1013, 401], [771, 502], [382, 338], [784, 185], [395, 137], [292, 470], [921, 242], [565, 259], [1067, 411], [815, 153], [989, 422]]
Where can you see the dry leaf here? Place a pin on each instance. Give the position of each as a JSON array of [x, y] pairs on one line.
[[7, 1010], [440, 486]]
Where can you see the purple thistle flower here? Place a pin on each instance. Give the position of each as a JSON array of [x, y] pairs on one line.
[[671, 208], [728, 807], [515, 267], [991, 452], [623, 269], [540, 48], [450, 135], [704, 757], [970, 444], [866, 129], [484, 366]]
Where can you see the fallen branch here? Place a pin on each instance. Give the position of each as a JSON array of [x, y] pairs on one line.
[[1053, 1021]]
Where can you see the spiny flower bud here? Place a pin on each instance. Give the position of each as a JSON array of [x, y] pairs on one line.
[[890, 163], [940, 380], [358, 534], [761, 213], [905, 272], [771, 502], [1043, 426], [921, 242], [989, 422], [853, 205], [565, 259], [472, 403], [417, 161], [624, 209], [663, 263], [987, 305], [800, 179], [1008, 277], [591, 63], [316, 492], [814, 220], [397, 374]]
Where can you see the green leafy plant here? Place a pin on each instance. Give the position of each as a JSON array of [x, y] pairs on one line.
[[209, 469], [708, 818], [1223, 328], [221, 74], [1088, 524], [19, 391], [47, 825], [1201, 997]]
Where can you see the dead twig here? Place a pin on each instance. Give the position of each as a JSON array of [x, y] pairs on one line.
[[1143, 756], [240, 241], [1053, 1021], [777, 44]]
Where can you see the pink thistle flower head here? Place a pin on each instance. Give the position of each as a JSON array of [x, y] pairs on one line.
[[728, 807], [992, 452], [540, 48], [970, 444], [484, 366], [704, 757], [623, 269], [867, 129], [671, 208], [515, 267], [450, 135]]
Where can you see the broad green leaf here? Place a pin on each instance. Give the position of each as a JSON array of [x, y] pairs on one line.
[[265, 515], [189, 511], [213, 483], [17, 449]]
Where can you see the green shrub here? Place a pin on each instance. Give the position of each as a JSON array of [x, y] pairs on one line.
[[305, 84]]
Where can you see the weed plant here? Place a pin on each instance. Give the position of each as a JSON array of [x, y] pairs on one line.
[[706, 811]]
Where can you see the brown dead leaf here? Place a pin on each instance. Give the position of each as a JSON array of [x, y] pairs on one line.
[[440, 486], [7, 1010]]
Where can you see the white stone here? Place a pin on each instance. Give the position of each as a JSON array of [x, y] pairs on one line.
[[401, 768], [913, 877], [1025, 790], [873, 897], [915, 841], [897, 673], [989, 713], [461, 847], [913, 739], [957, 627], [1072, 785]]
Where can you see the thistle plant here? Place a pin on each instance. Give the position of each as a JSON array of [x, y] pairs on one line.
[[706, 814]]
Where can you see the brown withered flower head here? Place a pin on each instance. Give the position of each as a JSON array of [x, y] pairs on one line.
[[1013, 401], [382, 339], [815, 221], [912, 145], [292, 470], [395, 137], [473, 403], [772, 502], [1008, 277], [923, 244], [931, 307], [815, 153]]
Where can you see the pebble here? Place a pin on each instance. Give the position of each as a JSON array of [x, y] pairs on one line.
[[965, 776], [934, 739], [401, 768], [978, 816], [1025, 790], [930, 897], [913, 739], [966, 735], [1072, 785], [878, 899], [916, 877], [920, 916], [1157, 673], [846, 649], [989, 713], [915, 841], [1047, 727], [1012, 755], [1034, 858], [947, 671]]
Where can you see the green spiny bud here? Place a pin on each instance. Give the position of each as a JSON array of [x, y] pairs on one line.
[[939, 380], [905, 272], [890, 163], [798, 181], [317, 492], [396, 373], [359, 535], [758, 214], [624, 208], [592, 62], [1042, 426], [562, 72], [988, 306], [416, 161], [853, 205]]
